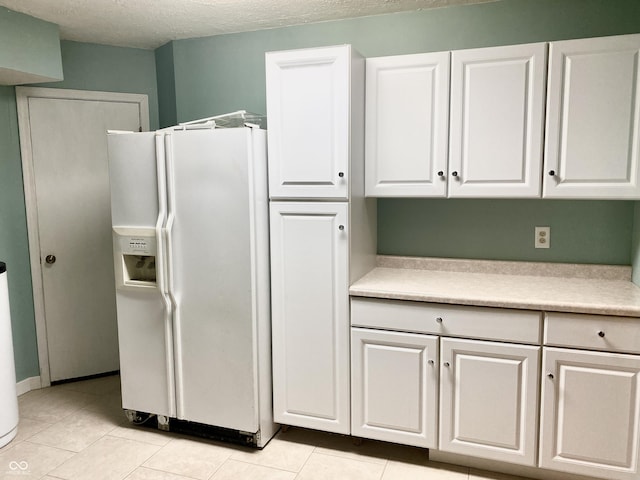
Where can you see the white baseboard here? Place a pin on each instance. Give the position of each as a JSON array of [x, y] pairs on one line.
[[28, 384]]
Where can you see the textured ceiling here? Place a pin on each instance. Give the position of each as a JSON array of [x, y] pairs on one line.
[[151, 23]]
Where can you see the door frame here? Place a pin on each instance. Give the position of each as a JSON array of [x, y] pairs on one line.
[[23, 94]]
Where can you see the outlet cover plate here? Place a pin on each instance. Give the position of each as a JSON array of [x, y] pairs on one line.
[[543, 237]]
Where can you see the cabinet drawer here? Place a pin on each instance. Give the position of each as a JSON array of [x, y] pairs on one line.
[[597, 332], [448, 320]]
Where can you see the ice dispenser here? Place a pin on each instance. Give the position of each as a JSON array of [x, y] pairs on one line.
[[135, 257]]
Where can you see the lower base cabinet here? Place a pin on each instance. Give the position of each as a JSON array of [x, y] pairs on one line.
[[394, 386], [422, 374], [489, 400], [590, 413]]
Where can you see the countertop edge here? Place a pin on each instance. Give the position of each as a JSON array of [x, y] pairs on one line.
[[572, 294], [497, 303]]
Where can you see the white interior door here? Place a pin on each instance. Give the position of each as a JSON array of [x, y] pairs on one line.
[[64, 149]]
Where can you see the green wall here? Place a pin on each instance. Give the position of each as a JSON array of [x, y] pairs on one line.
[[166, 85], [30, 47], [583, 231], [14, 250], [220, 74], [635, 244], [88, 66]]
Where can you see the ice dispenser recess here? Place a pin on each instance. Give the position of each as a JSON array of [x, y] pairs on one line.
[[135, 257]]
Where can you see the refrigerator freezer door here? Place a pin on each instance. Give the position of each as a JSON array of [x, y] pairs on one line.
[[132, 173], [211, 264], [145, 334]]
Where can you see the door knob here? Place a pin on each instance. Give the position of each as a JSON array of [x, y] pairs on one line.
[[50, 259]]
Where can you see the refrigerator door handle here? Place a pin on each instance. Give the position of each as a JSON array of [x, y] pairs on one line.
[[168, 231], [161, 264]]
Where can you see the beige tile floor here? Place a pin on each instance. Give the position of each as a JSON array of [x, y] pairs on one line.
[[78, 431]]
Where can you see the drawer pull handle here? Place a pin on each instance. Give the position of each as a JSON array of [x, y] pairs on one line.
[[447, 364], [431, 362], [550, 375], [601, 334], [439, 319]]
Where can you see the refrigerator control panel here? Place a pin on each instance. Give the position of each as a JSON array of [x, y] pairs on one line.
[[138, 245], [135, 258]]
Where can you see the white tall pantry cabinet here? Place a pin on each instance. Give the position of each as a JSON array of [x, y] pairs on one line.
[[322, 229]]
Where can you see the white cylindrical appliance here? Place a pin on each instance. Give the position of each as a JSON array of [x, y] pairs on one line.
[[8, 396]]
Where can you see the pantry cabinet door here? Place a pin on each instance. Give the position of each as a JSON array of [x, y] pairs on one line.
[[394, 387], [590, 413], [497, 117], [593, 119], [308, 107], [489, 400], [407, 116], [310, 315]]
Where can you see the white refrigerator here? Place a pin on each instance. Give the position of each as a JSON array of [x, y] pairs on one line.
[[189, 207]]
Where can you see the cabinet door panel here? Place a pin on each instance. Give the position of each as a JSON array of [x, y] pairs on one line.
[[310, 318], [407, 114], [308, 106], [394, 387], [590, 413], [489, 400], [593, 118], [497, 109]]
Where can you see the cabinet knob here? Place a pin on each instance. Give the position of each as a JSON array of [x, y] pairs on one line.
[[341, 174], [340, 227], [439, 319], [446, 364], [50, 259], [440, 173], [601, 334], [431, 362], [454, 174], [550, 375], [552, 173]]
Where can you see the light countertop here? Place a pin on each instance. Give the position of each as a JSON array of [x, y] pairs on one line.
[[577, 288]]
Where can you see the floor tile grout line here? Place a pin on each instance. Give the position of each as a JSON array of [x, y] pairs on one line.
[[162, 471], [265, 466]]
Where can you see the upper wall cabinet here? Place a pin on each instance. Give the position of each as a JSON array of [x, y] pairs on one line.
[[407, 115], [491, 110], [309, 122], [593, 119], [497, 118]]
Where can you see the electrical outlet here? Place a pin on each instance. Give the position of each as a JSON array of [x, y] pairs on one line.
[[543, 237]]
